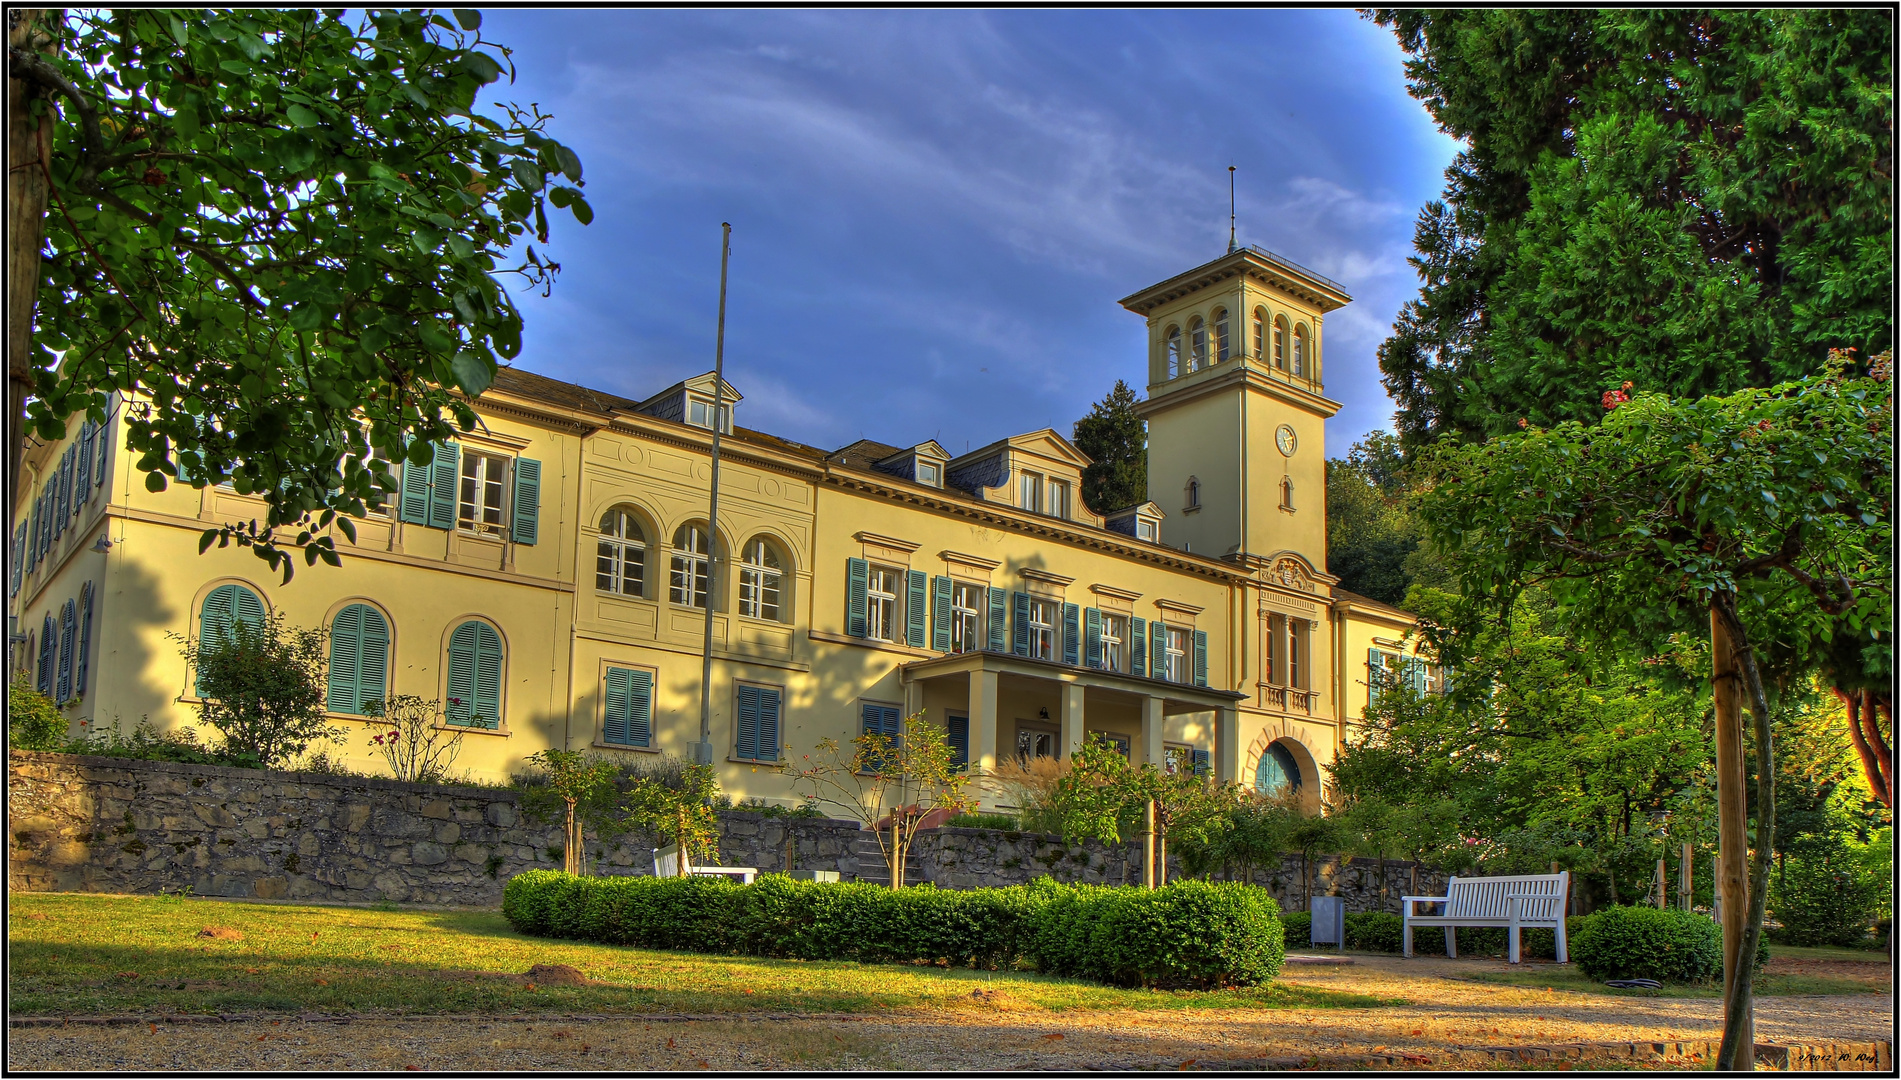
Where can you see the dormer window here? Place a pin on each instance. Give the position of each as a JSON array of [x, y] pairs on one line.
[[928, 475], [700, 413], [1145, 530], [1143, 522]]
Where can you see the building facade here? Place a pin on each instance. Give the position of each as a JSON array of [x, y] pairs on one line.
[[547, 576]]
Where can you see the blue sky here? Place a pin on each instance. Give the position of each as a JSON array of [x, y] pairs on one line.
[[935, 212]]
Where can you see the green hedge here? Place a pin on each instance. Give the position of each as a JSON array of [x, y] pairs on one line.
[[1191, 934], [1665, 944]]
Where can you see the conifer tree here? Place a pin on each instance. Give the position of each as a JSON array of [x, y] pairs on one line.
[[1117, 442]]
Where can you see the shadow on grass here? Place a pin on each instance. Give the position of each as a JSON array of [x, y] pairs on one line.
[[89, 954]]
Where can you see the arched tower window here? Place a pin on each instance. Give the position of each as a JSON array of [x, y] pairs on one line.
[[1287, 493], [687, 583], [620, 560], [1174, 351], [1223, 341], [760, 573], [1191, 494], [1280, 344], [1197, 344], [1260, 333], [1300, 351]]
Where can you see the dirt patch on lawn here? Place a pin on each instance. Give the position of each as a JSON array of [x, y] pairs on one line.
[[1874, 974]]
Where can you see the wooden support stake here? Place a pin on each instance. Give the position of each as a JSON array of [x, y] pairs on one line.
[[1732, 820]]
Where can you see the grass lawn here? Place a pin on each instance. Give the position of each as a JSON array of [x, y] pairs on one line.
[[78, 954], [1568, 977]]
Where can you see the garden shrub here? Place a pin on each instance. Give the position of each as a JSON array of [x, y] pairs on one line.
[[1822, 897], [1665, 944], [1297, 929], [33, 721], [1374, 931], [1187, 935]]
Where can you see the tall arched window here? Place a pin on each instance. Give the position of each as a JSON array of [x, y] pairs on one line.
[[359, 659], [1223, 340], [759, 577], [224, 608], [1300, 351], [1287, 493], [475, 677], [1197, 345], [1277, 772], [1260, 333], [620, 561], [1280, 344], [687, 583], [1191, 494], [68, 635], [1174, 351]]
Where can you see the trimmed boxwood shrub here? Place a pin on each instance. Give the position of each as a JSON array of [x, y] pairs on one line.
[[1188, 935], [1297, 929], [1665, 944]]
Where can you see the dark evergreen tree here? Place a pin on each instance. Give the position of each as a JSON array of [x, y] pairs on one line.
[[1117, 442], [1690, 201], [1373, 539]]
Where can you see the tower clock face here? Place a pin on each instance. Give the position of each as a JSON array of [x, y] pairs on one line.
[[1284, 438]]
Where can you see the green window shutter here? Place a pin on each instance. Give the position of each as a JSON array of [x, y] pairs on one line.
[[488, 677], [444, 483], [917, 608], [957, 732], [372, 671], [1201, 658], [614, 721], [63, 501], [1158, 650], [47, 645], [1375, 674], [768, 724], [1202, 762], [462, 659], [527, 501], [413, 501], [85, 639], [18, 559], [1092, 637], [941, 613], [346, 648], [104, 438], [82, 462], [68, 630], [1138, 647], [227, 605], [246, 607], [857, 573], [748, 741], [1022, 625], [640, 708], [1072, 634], [996, 634], [33, 532]]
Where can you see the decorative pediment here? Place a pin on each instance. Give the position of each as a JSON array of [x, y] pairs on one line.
[[1048, 444], [1292, 573], [703, 385]]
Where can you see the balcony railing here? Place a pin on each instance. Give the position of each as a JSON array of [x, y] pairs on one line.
[[1289, 699]]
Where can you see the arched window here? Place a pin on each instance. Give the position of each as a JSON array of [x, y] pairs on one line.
[[1277, 772], [68, 635], [1223, 341], [1174, 351], [1197, 345], [1300, 351], [1260, 333], [1287, 493], [687, 584], [620, 561], [359, 659], [81, 665], [1191, 494], [224, 608], [1280, 344], [759, 576], [44, 683], [475, 677]]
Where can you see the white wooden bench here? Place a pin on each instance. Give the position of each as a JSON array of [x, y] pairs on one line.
[[1531, 900], [666, 863]]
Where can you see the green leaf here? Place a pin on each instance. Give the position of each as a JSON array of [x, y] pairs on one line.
[[460, 245], [426, 239], [528, 174], [469, 18], [582, 212], [472, 373], [570, 162], [483, 67], [155, 481], [303, 117], [205, 540]]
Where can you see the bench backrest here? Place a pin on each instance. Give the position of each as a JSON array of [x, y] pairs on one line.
[[1484, 898], [666, 861]]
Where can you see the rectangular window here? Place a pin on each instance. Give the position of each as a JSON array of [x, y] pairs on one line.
[[927, 473], [1059, 499], [1035, 742], [883, 586], [1115, 636], [1175, 656], [1120, 742], [1145, 530], [881, 719], [1043, 629], [481, 504], [1297, 653], [757, 726], [699, 414], [627, 707], [1031, 491], [967, 604], [1177, 758], [1276, 654]]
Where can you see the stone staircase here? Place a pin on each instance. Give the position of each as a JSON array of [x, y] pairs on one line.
[[868, 863]]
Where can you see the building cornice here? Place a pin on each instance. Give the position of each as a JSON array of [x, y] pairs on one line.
[[1228, 375]]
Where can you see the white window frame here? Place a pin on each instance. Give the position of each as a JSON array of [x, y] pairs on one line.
[[1058, 504], [1115, 640], [1176, 645], [1043, 628], [699, 413], [884, 608], [1297, 659], [1197, 344], [616, 548], [1030, 492], [927, 474], [689, 575], [1144, 530], [968, 601], [1223, 345], [761, 584], [483, 476], [1172, 352], [1299, 368]]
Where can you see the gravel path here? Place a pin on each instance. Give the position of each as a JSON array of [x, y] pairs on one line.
[[992, 1035]]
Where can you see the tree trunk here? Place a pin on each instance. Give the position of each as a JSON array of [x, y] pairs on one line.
[[1877, 758], [897, 855], [679, 840], [1161, 860], [1148, 848], [571, 858], [28, 146], [1732, 828]]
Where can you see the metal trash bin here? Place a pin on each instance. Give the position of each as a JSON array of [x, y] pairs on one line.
[[1329, 921]]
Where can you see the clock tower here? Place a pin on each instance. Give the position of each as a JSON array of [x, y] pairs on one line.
[[1236, 408]]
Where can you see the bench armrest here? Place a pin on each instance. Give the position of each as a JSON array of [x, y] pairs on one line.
[[1410, 899]]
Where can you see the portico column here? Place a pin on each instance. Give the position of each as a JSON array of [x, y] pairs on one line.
[[1152, 731], [914, 698], [1227, 744], [1072, 718], [983, 729]]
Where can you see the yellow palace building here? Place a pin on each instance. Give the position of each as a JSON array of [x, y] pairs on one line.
[[547, 576]]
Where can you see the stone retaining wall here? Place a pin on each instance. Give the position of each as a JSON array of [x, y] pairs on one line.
[[95, 824]]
